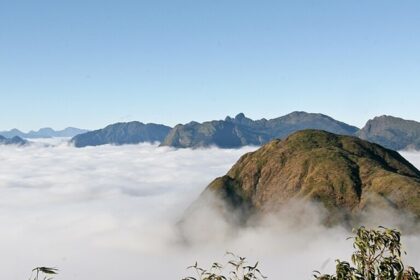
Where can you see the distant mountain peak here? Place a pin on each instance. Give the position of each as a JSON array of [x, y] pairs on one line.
[[299, 113], [392, 132], [45, 132], [16, 140], [240, 116]]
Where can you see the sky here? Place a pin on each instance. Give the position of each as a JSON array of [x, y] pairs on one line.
[[91, 63]]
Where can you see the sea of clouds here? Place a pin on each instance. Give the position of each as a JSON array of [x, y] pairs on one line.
[[110, 212]]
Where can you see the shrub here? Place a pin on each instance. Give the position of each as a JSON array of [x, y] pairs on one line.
[[377, 257], [237, 269]]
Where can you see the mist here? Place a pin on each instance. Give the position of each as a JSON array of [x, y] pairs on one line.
[[109, 212]]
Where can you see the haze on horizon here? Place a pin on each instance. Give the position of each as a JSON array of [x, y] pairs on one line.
[[89, 64]]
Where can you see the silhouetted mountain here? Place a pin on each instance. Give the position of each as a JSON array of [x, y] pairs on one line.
[[241, 131], [343, 173], [12, 133], [393, 133], [44, 133], [16, 140], [122, 133]]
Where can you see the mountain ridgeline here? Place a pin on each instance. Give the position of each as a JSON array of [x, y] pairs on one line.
[[122, 133], [43, 133], [241, 131], [345, 174], [390, 132]]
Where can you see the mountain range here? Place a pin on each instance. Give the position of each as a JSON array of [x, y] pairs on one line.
[[44, 133], [241, 131], [390, 132], [345, 174]]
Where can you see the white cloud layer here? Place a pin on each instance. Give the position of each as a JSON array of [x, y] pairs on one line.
[[109, 213]]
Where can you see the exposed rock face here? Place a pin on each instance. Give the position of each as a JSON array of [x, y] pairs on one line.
[[122, 133], [344, 173], [223, 134], [393, 133], [241, 131]]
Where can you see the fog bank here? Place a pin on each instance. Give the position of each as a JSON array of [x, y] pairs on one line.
[[108, 212]]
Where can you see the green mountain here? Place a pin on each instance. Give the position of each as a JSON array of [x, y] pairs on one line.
[[241, 131], [122, 133], [343, 173], [391, 132]]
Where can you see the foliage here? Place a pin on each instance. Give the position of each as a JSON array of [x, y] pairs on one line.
[[43, 273], [377, 257], [237, 266]]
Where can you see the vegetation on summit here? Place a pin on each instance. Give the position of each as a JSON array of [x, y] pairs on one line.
[[345, 174]]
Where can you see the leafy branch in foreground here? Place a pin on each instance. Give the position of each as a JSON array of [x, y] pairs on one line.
[[43, 273], [237, 266], [377, 257]]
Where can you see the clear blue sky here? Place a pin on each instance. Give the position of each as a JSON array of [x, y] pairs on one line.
[[88, 63]]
